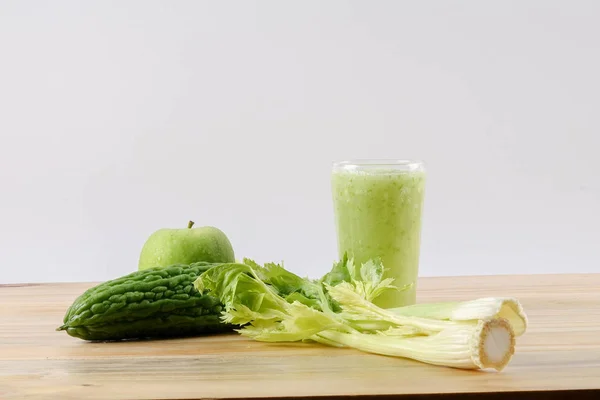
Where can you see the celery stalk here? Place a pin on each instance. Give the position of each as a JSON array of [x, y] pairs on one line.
[[271, 304], [484, 344], [489, 307]]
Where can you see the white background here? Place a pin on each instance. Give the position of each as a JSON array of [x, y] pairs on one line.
[[119, 118]]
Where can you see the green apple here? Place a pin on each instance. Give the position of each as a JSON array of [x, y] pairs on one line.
[[185, 246]]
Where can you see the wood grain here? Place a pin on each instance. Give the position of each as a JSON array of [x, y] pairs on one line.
[[559, 354]]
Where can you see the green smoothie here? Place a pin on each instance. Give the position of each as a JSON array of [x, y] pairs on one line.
[[377, 207]]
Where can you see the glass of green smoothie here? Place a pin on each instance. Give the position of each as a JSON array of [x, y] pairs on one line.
[[377, 208]]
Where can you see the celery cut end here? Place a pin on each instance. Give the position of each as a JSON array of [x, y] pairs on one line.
[[494, 344]]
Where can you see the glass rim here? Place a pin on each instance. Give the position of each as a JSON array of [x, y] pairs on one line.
[[373, 163]]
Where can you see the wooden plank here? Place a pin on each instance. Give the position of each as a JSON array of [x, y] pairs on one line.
[[560, 352]]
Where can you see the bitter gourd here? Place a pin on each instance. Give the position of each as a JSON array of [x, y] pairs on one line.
[[153, 303]]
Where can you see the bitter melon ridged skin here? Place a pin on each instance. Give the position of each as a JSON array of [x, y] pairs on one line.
[[152, 303]]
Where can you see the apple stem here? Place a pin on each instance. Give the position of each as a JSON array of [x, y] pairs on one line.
[[190, 224]]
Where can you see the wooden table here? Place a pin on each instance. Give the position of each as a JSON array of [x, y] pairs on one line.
[[558, 357]]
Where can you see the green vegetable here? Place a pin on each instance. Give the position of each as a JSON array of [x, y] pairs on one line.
[[498, 307], [153, 303], [275, 305]]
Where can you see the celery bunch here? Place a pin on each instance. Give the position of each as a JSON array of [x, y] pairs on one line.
[[272, 304]]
